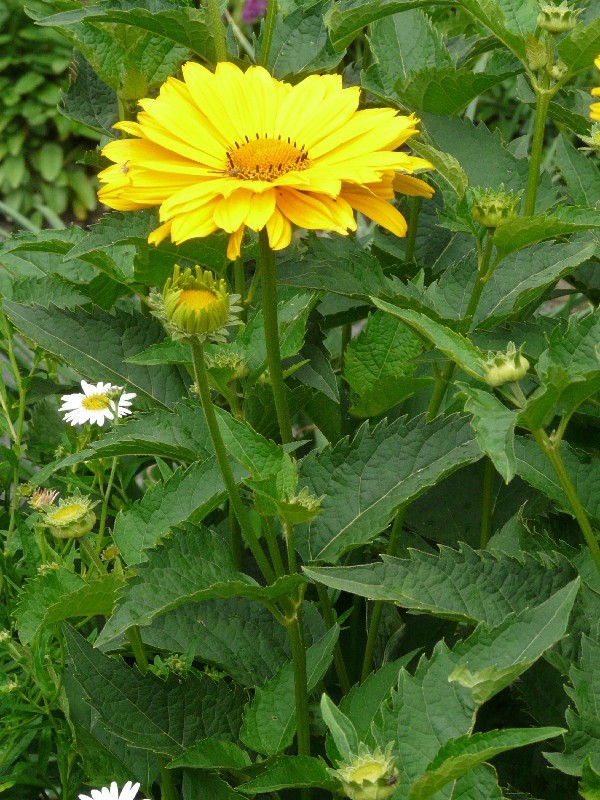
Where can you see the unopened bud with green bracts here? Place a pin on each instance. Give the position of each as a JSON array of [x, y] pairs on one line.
[[505, 367], [557, 18], [196, 303], [494, 207]]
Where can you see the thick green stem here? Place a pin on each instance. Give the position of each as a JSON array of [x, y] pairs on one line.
[[236, 543], [487, 506], [217, 29], [269, 305], [300, 685], [109, 486], [135, 640], [413, 224], [484, 273], [338, 656], [378, 604], [221, 453], [552, 451], [537, 147], [267, 34], [167, 788]]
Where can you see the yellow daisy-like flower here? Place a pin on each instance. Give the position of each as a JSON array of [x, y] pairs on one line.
[[595, 107], [231, 149]]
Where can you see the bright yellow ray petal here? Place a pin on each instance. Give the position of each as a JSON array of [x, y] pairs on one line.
[[279, 230], [380, 211], [230, 212], [309, 211], [234, 247], [197, 225], [405, 184], [262, 207], [160, 234]]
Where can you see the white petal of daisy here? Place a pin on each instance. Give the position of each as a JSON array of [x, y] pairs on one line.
[[128, 792], [96, 405]]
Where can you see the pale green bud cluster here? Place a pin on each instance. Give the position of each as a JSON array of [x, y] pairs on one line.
[[557, 19], [507, 367], [72, 518], [299, 508], [494, 207], [370, 775], [231, 361]]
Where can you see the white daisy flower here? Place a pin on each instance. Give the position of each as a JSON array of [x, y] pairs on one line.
[[96, 404], [128, 792]]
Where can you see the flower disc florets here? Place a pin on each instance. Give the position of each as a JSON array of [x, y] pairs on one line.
[[371, 775], [557, 19], [195, 303], [507, 367], [494, 207], [71, 518]]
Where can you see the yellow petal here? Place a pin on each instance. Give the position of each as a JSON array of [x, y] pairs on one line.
[[234, 247], [380, 211], [262, 207], [279, 230], [405, 184], [230, 212], [160, 234]]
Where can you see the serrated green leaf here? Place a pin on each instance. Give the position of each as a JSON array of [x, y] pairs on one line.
[[74, 336], [589, 788], [46, 291], [526, 231], [286, 772], [467, 586], [347, 18], [583, 740], [186, 26], [494, 426], [580, 173], [270, 717], [459, 756], [212, 754], [188, 495], [337, 265], [364, 481], [439, 708], [446, 166], [383, 349], [58, 595], [89, 100], [236, 635], [507, 20], [580, 46], [521, 280], [165, 717], [190, 565], [300, 43], [341, 729], [452, 344]]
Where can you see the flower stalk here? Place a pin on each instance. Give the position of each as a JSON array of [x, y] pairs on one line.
[[543, 96], [267, 35], [217, 29], [269, 304], [201, 376]]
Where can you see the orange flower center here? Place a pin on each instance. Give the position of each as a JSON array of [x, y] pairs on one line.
[[95, 402], [266, 159], [196, 299]]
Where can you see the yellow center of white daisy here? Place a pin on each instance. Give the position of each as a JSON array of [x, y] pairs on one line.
[[68, 513], [266, 159], [95, 402], [196, 299]]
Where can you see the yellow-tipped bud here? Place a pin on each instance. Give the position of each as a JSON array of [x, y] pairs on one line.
[[371, 775], [507, 367], [72, 518], [195, 302]]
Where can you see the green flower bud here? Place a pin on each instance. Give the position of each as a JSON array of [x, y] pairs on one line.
[[195, 303], [72, 518], [371, 775], [557, 19], [507, 367], [300, 508], [593, 141], [494, 207], [558, 71]]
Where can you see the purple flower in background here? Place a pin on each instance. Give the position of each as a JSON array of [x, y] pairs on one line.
[[253, 10]]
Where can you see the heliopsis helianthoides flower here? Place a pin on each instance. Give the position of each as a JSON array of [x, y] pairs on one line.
[[231, 149], [129, 792], [97, 403], [595, 107]]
